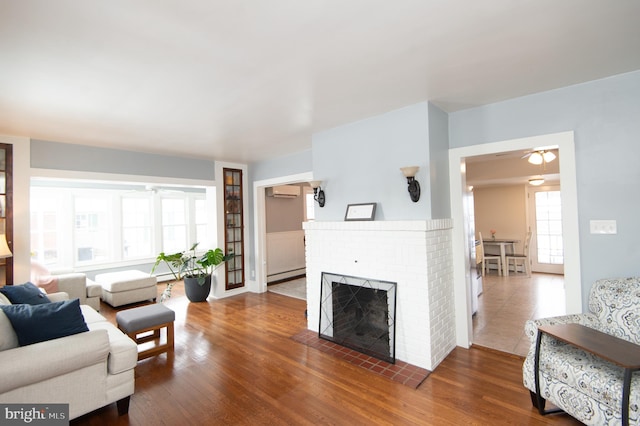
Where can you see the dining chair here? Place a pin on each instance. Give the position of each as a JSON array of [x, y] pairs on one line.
[[524, 257], [489, 258]]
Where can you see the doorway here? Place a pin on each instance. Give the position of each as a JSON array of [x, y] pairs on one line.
[[458, 186], [259, 271], [508, 204]]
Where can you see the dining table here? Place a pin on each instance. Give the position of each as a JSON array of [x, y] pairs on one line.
[[503, 244]]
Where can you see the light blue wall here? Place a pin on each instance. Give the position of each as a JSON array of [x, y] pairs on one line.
[[65, 156], [605, 116], [360, 163], [439, 164], [288, 165]]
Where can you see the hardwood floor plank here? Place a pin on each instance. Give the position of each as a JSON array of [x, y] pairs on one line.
[[235, 363]]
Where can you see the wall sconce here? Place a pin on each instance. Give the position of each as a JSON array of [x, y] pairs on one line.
[[414, 186], [318, 193]]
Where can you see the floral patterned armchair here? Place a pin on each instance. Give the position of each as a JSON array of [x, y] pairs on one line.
[[583, 385]]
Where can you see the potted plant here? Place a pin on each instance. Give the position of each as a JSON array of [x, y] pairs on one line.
[[195, 270]]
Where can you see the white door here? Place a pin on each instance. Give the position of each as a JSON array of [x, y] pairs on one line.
[[545, 211]]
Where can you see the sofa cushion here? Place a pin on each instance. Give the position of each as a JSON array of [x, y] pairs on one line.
[[8, 338], [616, 303], [90, 315], [25, 293], [37, 323], [4, 300]]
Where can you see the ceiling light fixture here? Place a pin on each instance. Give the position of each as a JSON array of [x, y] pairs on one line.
[[542, 156], [536, 181]]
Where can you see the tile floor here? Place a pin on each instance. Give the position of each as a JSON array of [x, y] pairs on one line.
[[293, 288], [508, 302]]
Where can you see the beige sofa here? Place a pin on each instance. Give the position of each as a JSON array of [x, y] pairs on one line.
[[78, 286], [75, 284], [87, 370]]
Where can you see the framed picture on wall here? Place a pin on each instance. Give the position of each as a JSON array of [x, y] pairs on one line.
[[364, 211]]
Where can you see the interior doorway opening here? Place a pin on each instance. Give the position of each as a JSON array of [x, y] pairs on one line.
[[461, 242], [260, 269]]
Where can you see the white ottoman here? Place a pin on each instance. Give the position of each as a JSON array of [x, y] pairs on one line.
[[124, 287]]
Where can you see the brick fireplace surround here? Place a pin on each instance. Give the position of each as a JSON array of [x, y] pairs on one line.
[[415, 254]]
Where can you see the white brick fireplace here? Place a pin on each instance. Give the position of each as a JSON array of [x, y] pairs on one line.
[[414, 254]]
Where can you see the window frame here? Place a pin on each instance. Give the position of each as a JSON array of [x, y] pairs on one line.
[[66, 214]]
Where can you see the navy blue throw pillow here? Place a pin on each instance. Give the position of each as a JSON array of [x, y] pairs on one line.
[[25, 293], [38, 323]]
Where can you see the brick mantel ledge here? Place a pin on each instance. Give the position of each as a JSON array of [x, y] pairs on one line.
[[382, 225]]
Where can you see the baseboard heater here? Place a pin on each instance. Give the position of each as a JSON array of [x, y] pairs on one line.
[[286, 274]]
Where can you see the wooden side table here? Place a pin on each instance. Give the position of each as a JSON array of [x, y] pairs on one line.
[[618, 351]]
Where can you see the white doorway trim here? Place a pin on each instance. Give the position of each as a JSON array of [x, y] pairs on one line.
[[259, 215], [461, 270]]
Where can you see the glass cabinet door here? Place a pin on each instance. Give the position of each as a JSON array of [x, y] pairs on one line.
[[6, 215], [234, 227]]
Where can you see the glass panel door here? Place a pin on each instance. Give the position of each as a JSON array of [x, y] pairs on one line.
[[234, 227], [547, 250], [6, 214]]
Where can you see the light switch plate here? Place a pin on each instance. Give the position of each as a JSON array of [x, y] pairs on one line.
[[603, 227]]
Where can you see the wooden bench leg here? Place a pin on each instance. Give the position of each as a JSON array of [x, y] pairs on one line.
[[159, 348], [170, 335]]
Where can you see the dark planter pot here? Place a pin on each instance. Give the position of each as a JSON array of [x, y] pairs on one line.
[[196, 292]]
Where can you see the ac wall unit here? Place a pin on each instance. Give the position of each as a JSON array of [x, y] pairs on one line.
[[283, 191]]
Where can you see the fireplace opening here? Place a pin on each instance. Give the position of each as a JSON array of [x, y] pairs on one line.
[[359, 313]]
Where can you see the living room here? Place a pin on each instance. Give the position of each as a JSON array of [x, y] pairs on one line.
[[358, 161]]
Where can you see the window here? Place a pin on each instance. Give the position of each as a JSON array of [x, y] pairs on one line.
[[82, 224], [549, 227], [136, 228], [44, 228], [200, 208], [174, 225], [92, 231]]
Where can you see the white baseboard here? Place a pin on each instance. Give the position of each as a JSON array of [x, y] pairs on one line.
[[287, 274]]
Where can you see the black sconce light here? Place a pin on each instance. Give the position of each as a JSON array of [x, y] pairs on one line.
[[414, 186], [318, 193]]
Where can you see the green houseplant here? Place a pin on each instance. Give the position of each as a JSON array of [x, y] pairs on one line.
[[195, 270]]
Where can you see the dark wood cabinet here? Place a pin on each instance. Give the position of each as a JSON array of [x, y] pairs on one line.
[[6, 213], [234, 227]]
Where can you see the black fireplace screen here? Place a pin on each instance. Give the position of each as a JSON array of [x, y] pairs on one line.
[[359, 313]]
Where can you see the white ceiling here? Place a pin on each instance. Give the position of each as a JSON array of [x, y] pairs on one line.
[[246, 80]]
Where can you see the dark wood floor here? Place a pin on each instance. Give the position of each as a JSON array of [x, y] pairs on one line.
[[235, 363]]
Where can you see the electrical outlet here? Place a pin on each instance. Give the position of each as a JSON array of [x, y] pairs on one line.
[[603, 227]]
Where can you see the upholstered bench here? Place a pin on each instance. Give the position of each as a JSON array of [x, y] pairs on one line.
[[124, 287], [145, 319]]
